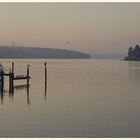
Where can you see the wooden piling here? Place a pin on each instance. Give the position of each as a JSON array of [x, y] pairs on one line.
[[2, 81], [28, 75], [11, 83], [28, 84], [45, 73], [45, 79], [12, 78], [2, 85], [12, 67]]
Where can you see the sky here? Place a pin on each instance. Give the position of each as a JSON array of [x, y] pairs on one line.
[[105, 28]]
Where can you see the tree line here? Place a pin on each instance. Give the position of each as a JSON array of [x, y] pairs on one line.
[[133, 53]]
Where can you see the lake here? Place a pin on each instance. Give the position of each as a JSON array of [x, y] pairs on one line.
[[83, 98]]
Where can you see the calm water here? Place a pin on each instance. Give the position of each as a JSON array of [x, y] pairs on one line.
[[84, 98]]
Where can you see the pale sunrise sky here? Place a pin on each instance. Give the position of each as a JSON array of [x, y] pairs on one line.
[[89, 27]]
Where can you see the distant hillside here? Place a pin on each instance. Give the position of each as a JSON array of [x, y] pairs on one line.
[[29, 52]]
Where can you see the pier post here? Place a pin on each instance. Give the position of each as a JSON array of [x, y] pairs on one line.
[[12, 67], [12, 78], [11, 83], [45, 64], [2, 85], [28, 75]]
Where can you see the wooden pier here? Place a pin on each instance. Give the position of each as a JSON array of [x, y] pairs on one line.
[[13, 77]]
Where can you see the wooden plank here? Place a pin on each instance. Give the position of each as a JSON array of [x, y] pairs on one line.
[[20, 78]]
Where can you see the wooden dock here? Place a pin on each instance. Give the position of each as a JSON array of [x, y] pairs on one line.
[[13, 77], [21, 77]]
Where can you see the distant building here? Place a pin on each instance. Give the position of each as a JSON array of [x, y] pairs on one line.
[[133, 54]]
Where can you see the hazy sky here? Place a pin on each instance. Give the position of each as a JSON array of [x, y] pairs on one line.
[[89, 27]]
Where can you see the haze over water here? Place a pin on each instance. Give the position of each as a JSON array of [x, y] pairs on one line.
[[84, 98]]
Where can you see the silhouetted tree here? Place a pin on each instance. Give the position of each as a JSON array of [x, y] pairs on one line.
[[130, 53], [136, 51], [133, 53]]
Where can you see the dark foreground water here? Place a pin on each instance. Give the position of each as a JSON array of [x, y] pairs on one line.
[[83, 98]]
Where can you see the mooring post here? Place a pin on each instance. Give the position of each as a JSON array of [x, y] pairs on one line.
[[2, 85], [9, 81], [45, 64], [2, 81], [28, 75], [12, 78], [45, 72], [12, 67], [12, 84]]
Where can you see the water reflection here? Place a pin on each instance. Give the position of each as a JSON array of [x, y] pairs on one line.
[[28, 95], [134, 71], [20, 87], [25, 87], [12, 91], [45, 93], [1, 96]]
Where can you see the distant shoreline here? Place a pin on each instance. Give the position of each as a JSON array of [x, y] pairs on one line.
[[40, 53]]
